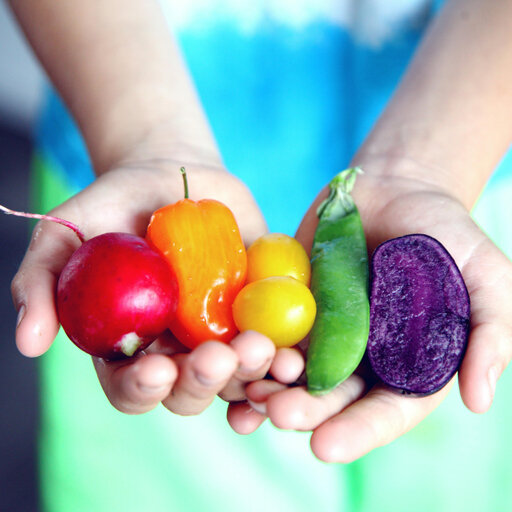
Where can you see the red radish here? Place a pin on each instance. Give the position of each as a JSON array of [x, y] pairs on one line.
[[115, 295]]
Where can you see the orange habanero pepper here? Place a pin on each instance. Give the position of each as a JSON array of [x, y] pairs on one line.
[[202, 243]]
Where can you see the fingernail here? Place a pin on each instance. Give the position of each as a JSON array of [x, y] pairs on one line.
[[21, 314], [492, 377], [254, 367], [151, 390], [260, 407], [204, 380]]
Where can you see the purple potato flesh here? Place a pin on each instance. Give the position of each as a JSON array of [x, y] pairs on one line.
[[419, 315]]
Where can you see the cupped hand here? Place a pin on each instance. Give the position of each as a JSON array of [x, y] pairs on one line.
[[361, 414], [123, 200]]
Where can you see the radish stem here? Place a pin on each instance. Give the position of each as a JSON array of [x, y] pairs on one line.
[[58, 220]]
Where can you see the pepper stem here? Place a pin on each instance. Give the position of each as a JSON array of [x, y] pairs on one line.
[[58, 220], [185, 181]]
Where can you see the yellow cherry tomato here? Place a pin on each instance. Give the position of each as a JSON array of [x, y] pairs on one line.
[[280, 307], [275, 254]]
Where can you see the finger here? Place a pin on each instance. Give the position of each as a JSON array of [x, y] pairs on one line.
[[487, 355], [255, 353], [375, 420], [297, 409], [288, 365], [138, 385], [202, 375], [259, 392], [243, 419], [490, 343], [33, 287]]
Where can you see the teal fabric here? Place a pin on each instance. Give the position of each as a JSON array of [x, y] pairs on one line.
[[288, 106]]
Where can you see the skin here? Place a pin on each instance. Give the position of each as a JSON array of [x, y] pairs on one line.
[[106, 92], [426, 161], [456, 95]]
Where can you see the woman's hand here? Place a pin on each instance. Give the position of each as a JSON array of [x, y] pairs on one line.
[[123, 199], [360, 414]]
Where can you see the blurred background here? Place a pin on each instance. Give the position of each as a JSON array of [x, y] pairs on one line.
[[21, 81]]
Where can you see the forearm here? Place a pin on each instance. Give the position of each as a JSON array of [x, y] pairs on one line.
[[451, 115], [118, 69]]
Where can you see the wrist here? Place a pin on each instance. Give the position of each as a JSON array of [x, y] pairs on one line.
[[419, 170], [146, 124], [166, 146]]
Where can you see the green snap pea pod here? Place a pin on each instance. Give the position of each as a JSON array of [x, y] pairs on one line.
[[339, 283]]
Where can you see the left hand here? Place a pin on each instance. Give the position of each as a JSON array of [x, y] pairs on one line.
[[360, 414]]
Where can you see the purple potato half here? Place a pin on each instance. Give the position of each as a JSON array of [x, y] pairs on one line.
[[419, 315]]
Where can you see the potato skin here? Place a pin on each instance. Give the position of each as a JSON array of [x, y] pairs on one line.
[[419, 315]]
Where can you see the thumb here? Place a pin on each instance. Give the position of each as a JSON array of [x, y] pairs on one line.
[[34, 285], [306, 230]]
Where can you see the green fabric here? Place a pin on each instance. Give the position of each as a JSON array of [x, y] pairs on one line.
[[93, 458]]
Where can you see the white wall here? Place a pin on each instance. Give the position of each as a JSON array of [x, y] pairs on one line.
[[21, 77]]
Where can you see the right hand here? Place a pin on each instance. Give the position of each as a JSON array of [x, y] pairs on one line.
[[123, 199]]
